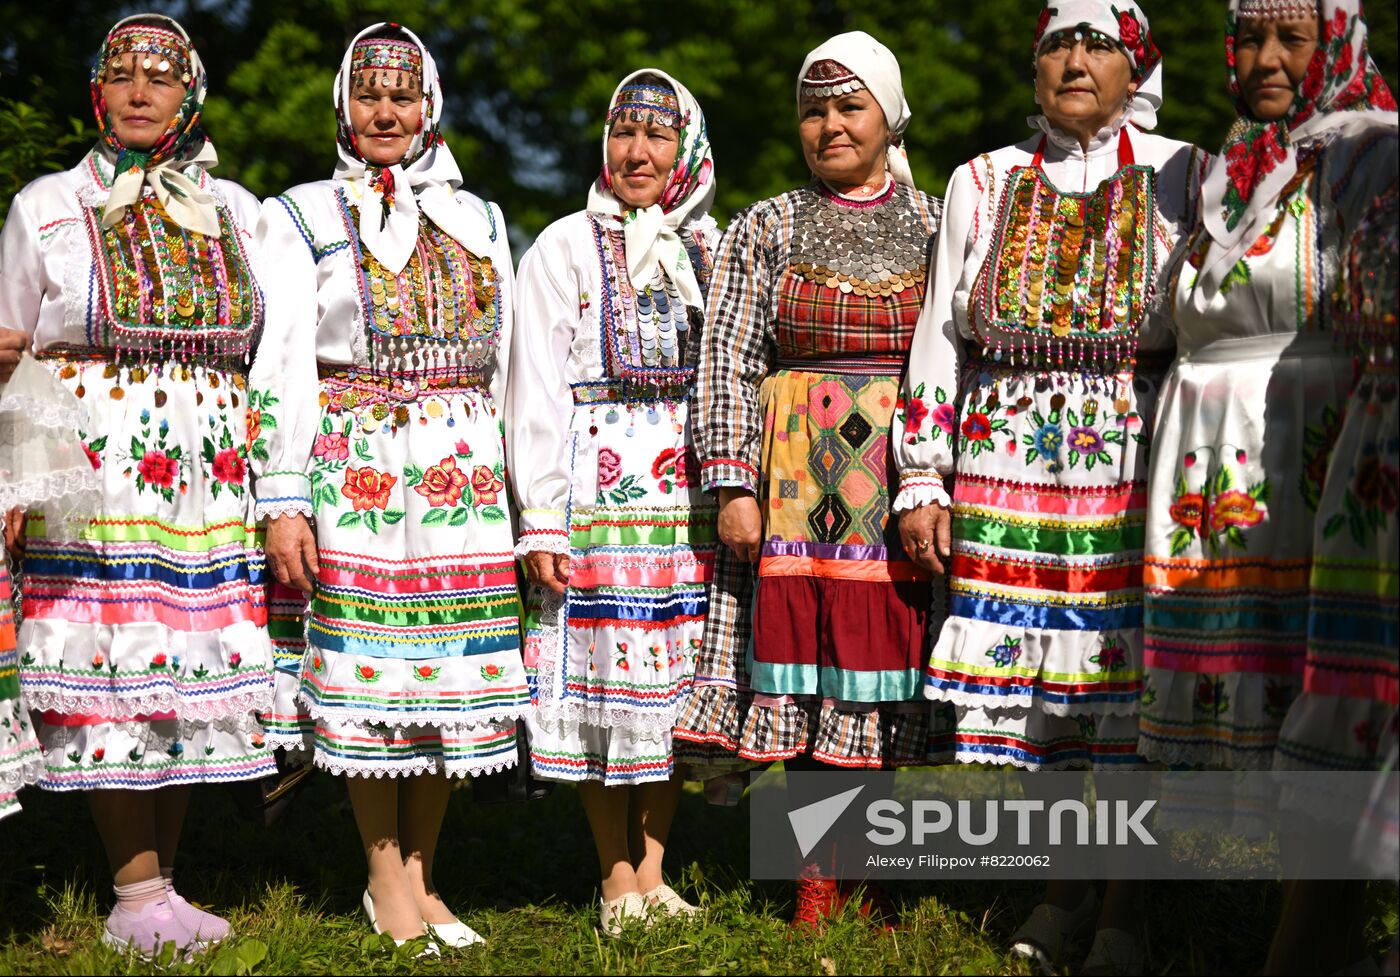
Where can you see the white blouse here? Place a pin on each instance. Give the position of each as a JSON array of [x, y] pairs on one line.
[[557, 345], [316, 314], [47, 275], [969, 220]]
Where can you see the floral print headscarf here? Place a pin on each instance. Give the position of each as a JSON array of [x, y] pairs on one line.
[[1259, 158]]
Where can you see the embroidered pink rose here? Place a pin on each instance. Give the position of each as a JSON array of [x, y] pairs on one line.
[[609, 467], [331, 447], [943, 417]]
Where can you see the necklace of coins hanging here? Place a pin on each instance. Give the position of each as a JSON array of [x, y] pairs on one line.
[[439, 316], [646, 330], [862, 247]]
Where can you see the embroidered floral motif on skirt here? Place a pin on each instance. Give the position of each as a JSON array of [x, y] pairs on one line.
[[1041, 654], [413, 656], [612, 658], [144, 646]]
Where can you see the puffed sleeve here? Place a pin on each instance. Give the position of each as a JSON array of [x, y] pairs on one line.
[[736, 356], [21, 268], [925, 420], [539, 403], [283, 395]]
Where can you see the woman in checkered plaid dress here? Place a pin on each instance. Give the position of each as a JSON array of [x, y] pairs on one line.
[[812, 310]]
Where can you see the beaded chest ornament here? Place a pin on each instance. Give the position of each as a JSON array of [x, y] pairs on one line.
[[1069, 275]]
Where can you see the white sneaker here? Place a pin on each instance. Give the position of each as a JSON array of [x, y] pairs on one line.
[[666, 899], [625, 910]]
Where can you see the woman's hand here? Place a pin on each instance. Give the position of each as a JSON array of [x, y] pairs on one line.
[[291, 551], [548, 570], [927, 534], [14, 531], [740, 523], [13, 344]]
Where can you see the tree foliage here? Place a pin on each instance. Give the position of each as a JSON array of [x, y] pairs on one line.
[[528, 82]]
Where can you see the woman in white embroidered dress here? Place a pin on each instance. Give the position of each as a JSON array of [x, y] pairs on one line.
[[1033, 381], [618, 538], [378, 391], [144, 650]]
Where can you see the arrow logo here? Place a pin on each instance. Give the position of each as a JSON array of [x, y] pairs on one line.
[[811, 823]]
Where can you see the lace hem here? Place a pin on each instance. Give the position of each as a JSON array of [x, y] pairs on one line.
[[41, 412], [27, 771], [920, 491], [345, 768], [641, 725], [277, 508], [214, 710], [542, 541], [65, 496]]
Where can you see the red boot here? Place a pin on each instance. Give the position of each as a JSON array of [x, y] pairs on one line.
[[817, 901]]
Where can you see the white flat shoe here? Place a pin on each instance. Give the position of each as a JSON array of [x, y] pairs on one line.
[[666, 900], [367, 903], [623, 911], [455, 934]]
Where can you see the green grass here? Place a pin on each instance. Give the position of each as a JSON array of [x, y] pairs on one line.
[[524, 876]]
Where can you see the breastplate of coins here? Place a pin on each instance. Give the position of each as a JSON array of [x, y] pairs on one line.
[[439, 315], [1069, 273], [168, 293], [648, 330], [867, 248]]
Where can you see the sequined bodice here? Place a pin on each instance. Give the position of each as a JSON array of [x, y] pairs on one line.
[[167, 293], [1068, 275]]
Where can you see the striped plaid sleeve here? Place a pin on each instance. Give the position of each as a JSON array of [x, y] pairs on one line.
[[737, 353]]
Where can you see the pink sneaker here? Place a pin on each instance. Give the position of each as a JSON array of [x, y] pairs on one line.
[[147, 931], [206, 927]]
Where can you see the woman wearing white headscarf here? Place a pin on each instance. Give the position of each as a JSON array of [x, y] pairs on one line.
[[378, 400], [144, 651], [815, 298], [1033, 381], [618, 538]]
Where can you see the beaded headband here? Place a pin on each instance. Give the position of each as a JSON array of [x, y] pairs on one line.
[[391, 55], [1277, 9], [647, 103], [827, 78], [1081, 33], [162, 49]]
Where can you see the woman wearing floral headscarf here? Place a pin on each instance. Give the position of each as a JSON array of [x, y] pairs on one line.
[[1250, 410], [1033, 380], [618, 538], [144, 650], [379, 392], [815, 297]]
